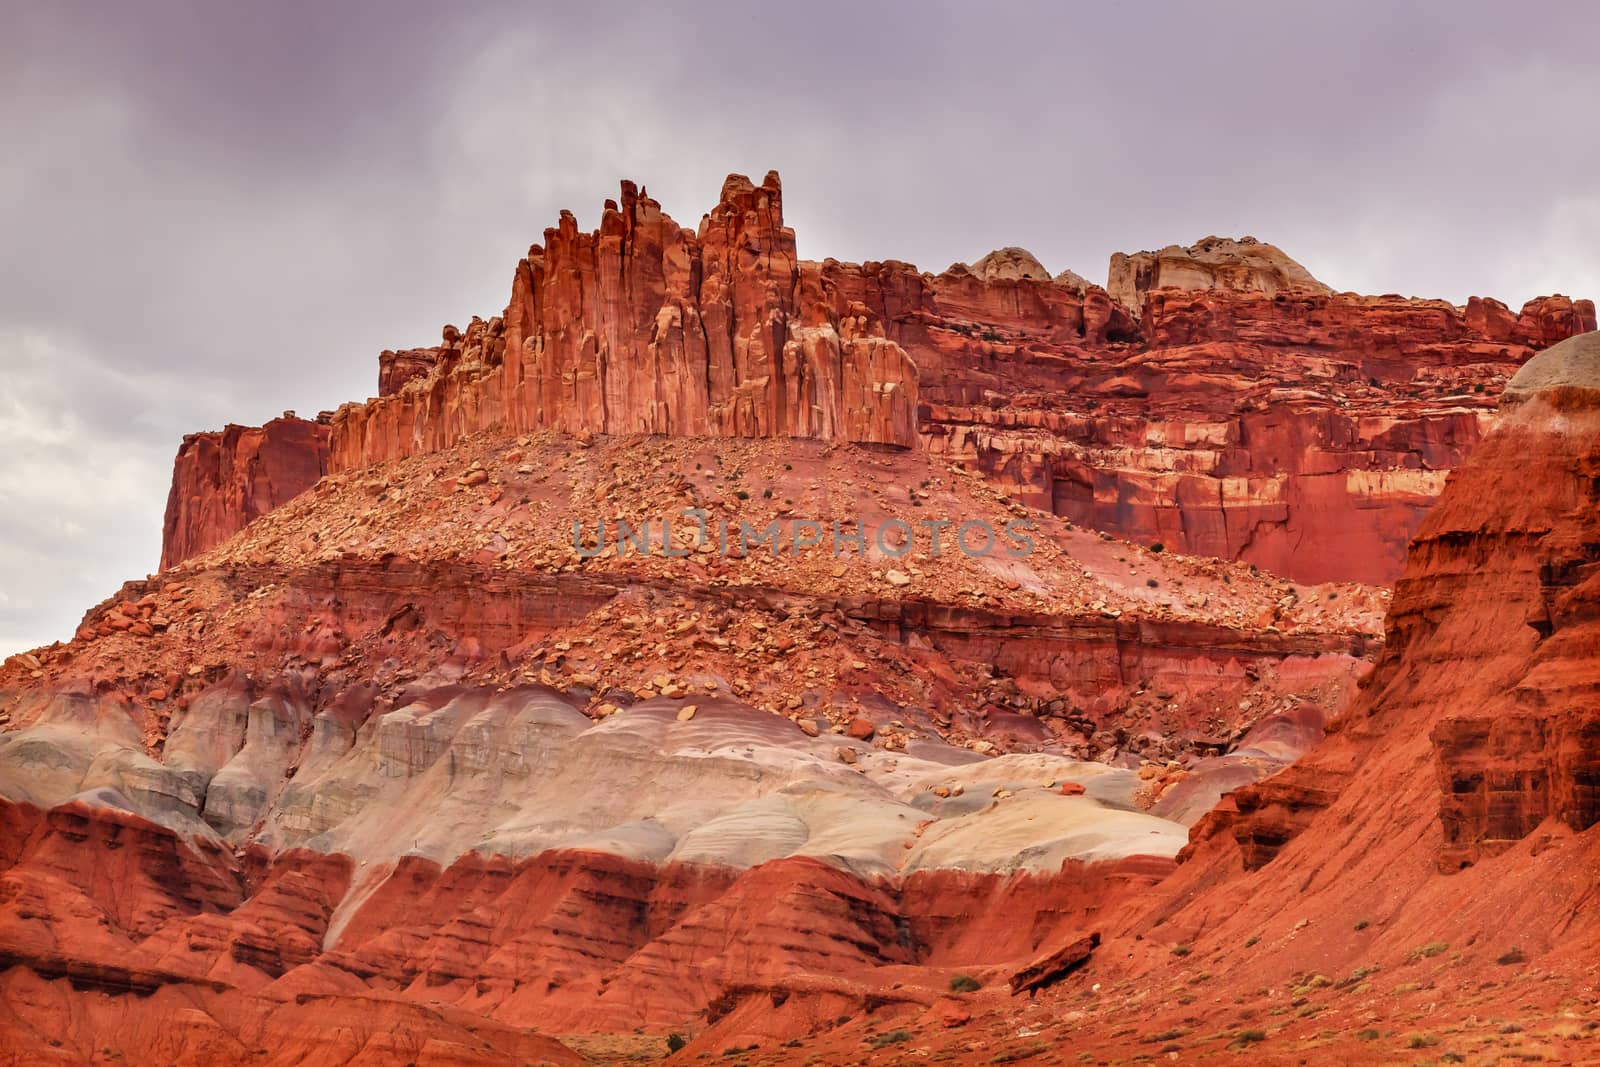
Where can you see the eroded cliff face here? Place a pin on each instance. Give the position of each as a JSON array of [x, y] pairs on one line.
[[1418, 868], [223, 480], [1242, 266], [408, 768], [1220, 403], [646, 327]]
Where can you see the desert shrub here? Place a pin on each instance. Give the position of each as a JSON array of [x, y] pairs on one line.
[[1512, 955]]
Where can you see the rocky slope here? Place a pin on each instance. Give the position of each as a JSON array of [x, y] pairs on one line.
[[1217, 400], [403, 738], [721, 644], [1419, 884]]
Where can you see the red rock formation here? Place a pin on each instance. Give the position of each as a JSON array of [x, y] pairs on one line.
[[1303, 431], [1449, 815], [221, 481], [391, 664], [395, 369], [1250, 414], [1244, 265], [645, 327]]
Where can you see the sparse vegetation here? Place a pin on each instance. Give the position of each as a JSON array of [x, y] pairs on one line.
[[1360, 974], [675, 1042], [1430, 950], [1511, 956], [1253, 941], [1368, 1034], [1181, 950], [891, 1037], [1164, 1035], [1362, 924], [1421, 1041], [965, 983]]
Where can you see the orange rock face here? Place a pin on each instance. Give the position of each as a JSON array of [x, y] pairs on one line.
[[402, 771], [1219, 400], [646, 327], [221, 481]]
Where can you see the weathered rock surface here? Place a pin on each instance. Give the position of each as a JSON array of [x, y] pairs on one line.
[[412, 766], [646, 327], [1437, 849], [401, 741], [1249, 413], [221, 481], [1008, 263], [1245, 265]]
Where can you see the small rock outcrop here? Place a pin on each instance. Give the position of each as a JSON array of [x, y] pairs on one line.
[[1245, 265], [1007, 264], [223, 480]]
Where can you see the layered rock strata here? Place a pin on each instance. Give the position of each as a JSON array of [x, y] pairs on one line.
[[1221, 402], [223, 480]]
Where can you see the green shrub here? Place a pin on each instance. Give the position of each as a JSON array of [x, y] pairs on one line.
[[675, 1042], [893, 1037], [965, 983]]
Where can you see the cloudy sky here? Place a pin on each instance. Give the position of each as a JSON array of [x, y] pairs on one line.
[[213, 213]]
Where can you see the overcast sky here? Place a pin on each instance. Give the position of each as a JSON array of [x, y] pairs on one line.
[[210, 213]]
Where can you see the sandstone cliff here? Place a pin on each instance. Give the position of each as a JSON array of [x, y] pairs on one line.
[[221, 481], [1248, 414], [646, 327], [1426, 868]]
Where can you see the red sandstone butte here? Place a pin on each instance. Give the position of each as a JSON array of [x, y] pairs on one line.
[[1218, 400], [223, 480], [646, 327]]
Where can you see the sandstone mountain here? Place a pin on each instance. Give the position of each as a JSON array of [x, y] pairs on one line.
[[1302, 431], [515, 716]]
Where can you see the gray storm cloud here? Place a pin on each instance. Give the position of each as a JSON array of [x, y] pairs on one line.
[[213, 213]]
